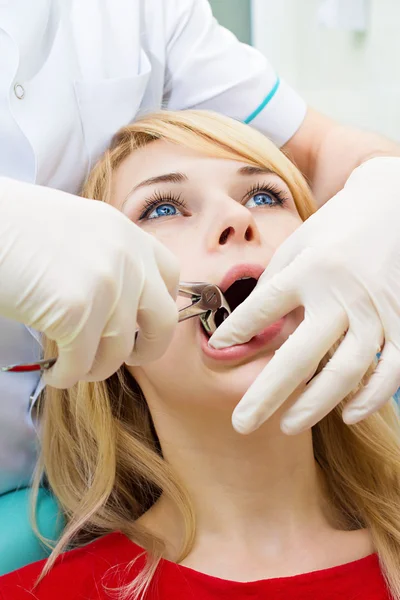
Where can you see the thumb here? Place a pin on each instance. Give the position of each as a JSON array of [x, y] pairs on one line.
[[268, 302]]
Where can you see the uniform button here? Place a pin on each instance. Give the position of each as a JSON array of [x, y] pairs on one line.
[[19, 91]]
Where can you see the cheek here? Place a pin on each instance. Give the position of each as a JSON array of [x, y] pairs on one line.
[[181, 239], [169, 371], [277, 227]]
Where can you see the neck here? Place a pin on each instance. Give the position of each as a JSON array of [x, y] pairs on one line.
[[242, 487]]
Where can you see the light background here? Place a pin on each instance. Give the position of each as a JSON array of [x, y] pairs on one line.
[[351, 76]]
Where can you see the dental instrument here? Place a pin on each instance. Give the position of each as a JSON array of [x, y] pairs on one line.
[[207, 299]]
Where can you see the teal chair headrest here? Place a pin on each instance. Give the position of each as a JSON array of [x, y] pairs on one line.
[[19, 545]]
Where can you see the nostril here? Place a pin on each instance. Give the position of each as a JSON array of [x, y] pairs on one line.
[[248, 236], [224, 235]]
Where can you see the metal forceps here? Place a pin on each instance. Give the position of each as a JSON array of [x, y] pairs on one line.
[[206, 298]]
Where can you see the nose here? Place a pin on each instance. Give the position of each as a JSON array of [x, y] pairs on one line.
[[233, 226]]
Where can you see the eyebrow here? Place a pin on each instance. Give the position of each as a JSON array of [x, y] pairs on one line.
[[165, 178], [251, 170], [181, 177], [177, 177]]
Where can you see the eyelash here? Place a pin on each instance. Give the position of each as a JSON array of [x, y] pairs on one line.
[[158, 198], [161, 198], [268, 188]]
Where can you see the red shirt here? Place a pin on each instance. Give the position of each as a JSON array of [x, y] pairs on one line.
[[79, 574]]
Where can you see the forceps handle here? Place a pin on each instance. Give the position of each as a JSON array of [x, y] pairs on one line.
[[40, 365], [44, 365]]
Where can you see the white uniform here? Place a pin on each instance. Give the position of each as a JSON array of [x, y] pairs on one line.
[[71, 73]]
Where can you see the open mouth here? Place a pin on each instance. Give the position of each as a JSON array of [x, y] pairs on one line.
[[235, 294], [239, 291]]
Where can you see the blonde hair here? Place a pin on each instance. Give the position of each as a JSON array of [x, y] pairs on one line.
[[100, 452]]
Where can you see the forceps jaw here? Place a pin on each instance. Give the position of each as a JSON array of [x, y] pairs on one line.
[[208, 319], [205, 297]]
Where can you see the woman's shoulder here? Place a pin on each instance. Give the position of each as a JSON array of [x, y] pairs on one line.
[[75, 573]]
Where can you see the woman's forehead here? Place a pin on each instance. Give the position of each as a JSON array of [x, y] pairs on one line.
[[162, 158], [161, 154]]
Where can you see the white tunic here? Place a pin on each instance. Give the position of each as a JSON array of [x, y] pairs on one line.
[[71, 73]]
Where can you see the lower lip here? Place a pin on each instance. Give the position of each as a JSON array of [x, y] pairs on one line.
[[246, 350]]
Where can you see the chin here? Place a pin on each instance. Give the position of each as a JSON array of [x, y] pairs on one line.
[[199, 386], [235, 381]]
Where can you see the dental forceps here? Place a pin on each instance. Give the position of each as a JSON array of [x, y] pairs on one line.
[[206, 298]]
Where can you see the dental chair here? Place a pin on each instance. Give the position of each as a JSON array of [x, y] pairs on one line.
[[19, 545]]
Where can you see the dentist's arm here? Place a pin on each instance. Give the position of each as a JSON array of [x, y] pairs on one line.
[[327, 152], [224, 75]]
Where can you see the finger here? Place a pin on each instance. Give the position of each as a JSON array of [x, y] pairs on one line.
[[117, 339], [291, 365], [116, 344], [382, 385], [76, 353], [338, 378], [64, 373], [157, 317], [267, 303], [79, 354], [168, 267]]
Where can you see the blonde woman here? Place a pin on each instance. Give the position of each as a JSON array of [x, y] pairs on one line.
[[163, 499]]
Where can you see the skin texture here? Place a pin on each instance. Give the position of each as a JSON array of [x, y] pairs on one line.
[[327, 152], [259, 499]]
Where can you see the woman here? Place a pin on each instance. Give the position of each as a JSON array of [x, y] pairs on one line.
[[147, 462]]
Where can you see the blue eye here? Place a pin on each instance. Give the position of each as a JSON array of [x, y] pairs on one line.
[[262, 199], [163, 210], [163, 205]]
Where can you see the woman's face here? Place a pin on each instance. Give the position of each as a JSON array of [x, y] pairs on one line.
[[224, 220]]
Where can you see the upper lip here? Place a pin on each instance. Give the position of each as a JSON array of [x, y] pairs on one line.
[[238, 272]]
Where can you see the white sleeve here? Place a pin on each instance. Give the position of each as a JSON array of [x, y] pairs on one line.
[[18, 438], [208, 68]]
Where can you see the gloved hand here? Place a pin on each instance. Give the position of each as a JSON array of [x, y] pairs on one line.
[[343, 266], [80, 272]]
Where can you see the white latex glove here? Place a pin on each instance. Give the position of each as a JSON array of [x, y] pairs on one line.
[[343, 266], [80, 272]]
